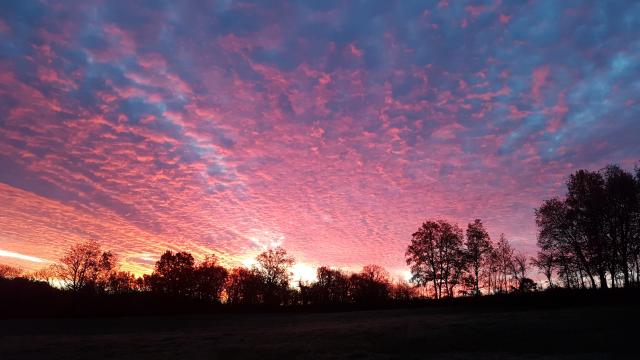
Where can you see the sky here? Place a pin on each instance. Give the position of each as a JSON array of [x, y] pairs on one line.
[[330, 128]]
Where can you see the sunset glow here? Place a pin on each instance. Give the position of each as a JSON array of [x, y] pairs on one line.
[[332, 129]]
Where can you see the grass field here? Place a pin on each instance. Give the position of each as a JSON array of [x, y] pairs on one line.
[[459, 333]]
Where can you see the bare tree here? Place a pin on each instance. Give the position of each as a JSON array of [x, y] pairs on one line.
[[371, 285], [120, 282], [436, 255], [402, 291], [107, 271], [210, 278], [477, 246], [83, 265], [559, 236], [274, 266], [519, 265], [47, 274], [586, 202], [545, 262], [504, 253], [332, 286], [594, 232], [621, 210], [9, 272], [490, 269], [243, 286]]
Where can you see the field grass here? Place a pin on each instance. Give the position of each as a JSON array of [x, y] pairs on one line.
[[418, 333]]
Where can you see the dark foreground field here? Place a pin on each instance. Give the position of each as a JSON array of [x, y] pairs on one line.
[[576, 333]]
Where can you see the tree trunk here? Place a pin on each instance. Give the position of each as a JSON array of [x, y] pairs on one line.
[[614, 282], [593, 281], [625, 266], [603, 279], [446, 285], [477, 270], [581, 277], [584, 264]]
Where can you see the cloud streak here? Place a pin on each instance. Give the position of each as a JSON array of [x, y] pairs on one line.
[[14, 255]]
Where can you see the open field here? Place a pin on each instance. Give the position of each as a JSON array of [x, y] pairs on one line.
[[586, 332]]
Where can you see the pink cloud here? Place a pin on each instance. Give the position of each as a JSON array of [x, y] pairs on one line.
[[515, 113], [504, 19], [475, 11], [538, 80], [353, 50], [4, 27]]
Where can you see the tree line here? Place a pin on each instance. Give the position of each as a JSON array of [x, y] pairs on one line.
[[589, 238], [472, 265], [86, 268], [450, 262]]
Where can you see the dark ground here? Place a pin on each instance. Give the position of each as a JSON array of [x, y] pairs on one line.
[[592, 332]]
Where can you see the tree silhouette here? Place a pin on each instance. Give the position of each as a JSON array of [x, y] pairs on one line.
[[174, 274], [402, 291], [593, 232], [120, 282], [491, 267], [519, 266], [331, 287], [46, 274], [504, 255], [85, 266], [210, 278], [9, 272], [559, 237], [620, 214], [526, 285], [243, 286], [586, 200], [371, 285], [545, 262], [274, 267], [108, 272], [436, 255], [477, 246]]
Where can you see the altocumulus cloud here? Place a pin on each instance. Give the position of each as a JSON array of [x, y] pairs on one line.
[[331, 128]]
